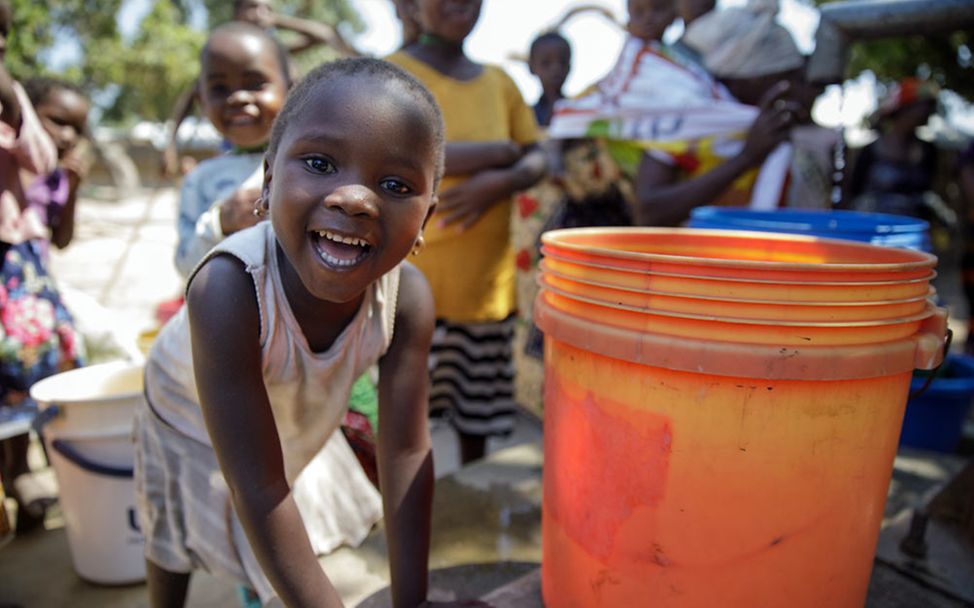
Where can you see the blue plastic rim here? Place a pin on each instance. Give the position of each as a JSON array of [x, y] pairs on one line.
[[935, 419], [875, 228]]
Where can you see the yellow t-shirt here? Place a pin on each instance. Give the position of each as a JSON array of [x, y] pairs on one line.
[[472, 273]]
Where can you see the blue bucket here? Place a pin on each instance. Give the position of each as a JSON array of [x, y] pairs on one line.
[[875, 228], [935, 419]]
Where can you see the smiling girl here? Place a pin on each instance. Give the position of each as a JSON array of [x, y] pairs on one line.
[[249, 382]]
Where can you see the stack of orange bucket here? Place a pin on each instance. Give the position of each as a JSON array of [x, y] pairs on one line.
[[722, 411]]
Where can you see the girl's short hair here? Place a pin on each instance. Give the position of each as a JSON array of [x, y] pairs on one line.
[[550, 36], [39, 87], [365, 67], [245, 29]]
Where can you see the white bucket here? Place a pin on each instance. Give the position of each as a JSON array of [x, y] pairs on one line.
[[86, 419]]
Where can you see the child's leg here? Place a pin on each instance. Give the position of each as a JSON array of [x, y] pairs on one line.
[[166, 589], [472, 447]]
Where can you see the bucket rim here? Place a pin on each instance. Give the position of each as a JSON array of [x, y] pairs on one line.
[[679, 275], [876, 224], [555, 238], [922, 350], [931, 292], [928, 311], [42, 391]]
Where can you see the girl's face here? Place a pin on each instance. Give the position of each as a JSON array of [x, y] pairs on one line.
[[449, 19], [242, 87], [550, 62], [257, 12], [648, 19], [64, 114], [350, 186]]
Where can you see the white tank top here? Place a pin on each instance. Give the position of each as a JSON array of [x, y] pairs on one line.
[[308, 391]]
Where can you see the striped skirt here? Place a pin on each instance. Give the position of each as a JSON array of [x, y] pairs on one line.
[[472, 377]]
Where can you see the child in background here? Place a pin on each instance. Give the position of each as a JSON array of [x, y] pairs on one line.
[[549, 60], [648, 19], [259, 13], [468, 259], [63, 110], [249, 380], [242, 85], [37, 336]]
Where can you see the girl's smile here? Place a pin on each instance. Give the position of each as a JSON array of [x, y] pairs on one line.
[[340, 251]]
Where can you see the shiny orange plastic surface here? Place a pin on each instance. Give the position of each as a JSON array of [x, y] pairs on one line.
[[722, 411], [742, 255], [676, 489], [805, 290]]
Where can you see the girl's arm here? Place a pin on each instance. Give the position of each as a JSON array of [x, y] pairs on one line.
[[466, 157], [227, 363], [76, 164], [180, 112], [312, 33], [467, 202], [404, 456], [662, 199], [9, 104]]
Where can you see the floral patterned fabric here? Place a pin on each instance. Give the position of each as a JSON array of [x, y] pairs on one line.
[[37, 334], [590, 190]]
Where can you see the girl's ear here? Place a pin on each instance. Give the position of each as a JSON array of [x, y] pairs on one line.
[[432, 209], [265, 189]]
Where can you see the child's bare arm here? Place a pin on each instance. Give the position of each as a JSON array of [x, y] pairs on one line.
[[180, 112], [9, 105], [467, 202], [226, 355], [466, 157], [312, 33], [404, 455]]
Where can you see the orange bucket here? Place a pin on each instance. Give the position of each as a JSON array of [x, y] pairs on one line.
[[704, 461], [767, 310], [740, 289], [737, 254]]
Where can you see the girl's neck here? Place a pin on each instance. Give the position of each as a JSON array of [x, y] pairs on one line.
[[444, 56], [235, 149], [321, 322], [440, 44]]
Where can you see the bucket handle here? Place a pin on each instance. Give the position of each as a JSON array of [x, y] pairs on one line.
[[933, 373], [45, 416], [65, 449]]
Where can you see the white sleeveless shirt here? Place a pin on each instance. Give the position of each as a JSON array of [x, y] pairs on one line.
[[308, 391]]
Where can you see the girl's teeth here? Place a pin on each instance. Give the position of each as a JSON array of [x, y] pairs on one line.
[[347, 240], [336, 262]]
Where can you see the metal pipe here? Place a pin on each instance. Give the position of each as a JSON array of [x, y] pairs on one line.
[[843, 23]]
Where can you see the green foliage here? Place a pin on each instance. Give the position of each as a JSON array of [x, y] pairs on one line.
[[151, 70], [945, 58]]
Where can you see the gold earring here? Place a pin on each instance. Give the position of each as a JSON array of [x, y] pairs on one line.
[[259, 209], [420, 241]]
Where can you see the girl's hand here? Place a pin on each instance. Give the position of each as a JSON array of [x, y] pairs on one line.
[[773, 124], [466, 203], [76, 162], [237, 211]]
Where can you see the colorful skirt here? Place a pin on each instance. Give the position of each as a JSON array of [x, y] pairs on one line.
[[37, 334]]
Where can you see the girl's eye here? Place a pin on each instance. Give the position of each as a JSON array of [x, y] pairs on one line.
[[319, 165], [396, 187]]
